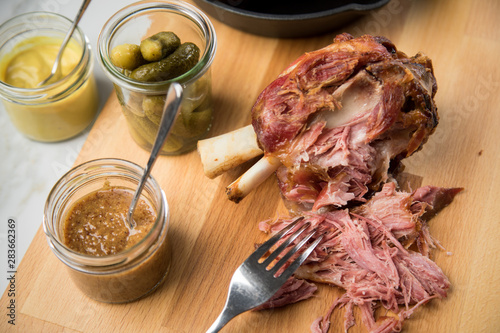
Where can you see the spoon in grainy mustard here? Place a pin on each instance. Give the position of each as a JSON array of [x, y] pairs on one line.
[[170, 110]]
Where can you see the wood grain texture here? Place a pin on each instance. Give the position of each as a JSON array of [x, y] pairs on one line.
[[211, 236]]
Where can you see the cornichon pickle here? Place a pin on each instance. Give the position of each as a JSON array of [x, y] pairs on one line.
[[144, 132], [172, 144], [126, 72], [153, 107], [127, 56], [199, 122], [159, 46], [182, 60], [196, 93], [141, 126], [192, 124]]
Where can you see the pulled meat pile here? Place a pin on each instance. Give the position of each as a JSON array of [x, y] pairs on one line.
[[366, 251], [340, 118]]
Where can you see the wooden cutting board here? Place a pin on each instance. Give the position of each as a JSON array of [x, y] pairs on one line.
[[212, 236]]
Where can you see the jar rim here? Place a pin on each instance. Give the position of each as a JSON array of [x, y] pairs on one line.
[[186, 9], [86, 56], [78, 260]]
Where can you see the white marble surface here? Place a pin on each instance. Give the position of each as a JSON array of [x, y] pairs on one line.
[[29, 169]]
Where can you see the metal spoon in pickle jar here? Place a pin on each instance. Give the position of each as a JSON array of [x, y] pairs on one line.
[[55, 73], [170, 110]]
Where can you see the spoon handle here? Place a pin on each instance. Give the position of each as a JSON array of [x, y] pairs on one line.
[[84, 6], [170, 110], [55, 66]]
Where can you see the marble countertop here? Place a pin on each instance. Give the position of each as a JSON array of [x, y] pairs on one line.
[[29, 169]]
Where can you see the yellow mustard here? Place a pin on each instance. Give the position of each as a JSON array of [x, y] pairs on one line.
[[57, 111]]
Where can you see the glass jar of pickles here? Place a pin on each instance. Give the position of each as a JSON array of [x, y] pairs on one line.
[[145, 47], [57, 111]]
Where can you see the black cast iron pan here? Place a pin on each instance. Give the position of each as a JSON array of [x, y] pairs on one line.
[[287, 18]]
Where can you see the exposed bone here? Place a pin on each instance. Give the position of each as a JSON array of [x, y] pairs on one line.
[[252, 178], [356, 97], [224, 152]]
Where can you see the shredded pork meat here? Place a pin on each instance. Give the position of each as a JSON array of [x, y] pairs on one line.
[[378, 253]]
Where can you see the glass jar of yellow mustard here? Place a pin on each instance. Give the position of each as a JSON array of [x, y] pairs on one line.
[[28, 47], [142, 102], [100, 265]]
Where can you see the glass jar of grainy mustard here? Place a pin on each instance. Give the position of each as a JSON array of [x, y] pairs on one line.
[[108, 276], [28, 47], [142, 101]]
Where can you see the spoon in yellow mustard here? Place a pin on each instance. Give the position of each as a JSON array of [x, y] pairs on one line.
[[170, 111], [55, 73]]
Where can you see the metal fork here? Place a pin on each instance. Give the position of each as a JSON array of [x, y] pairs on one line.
[[253, 283]]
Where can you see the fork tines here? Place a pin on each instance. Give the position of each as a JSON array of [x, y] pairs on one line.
[[264, 248]]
